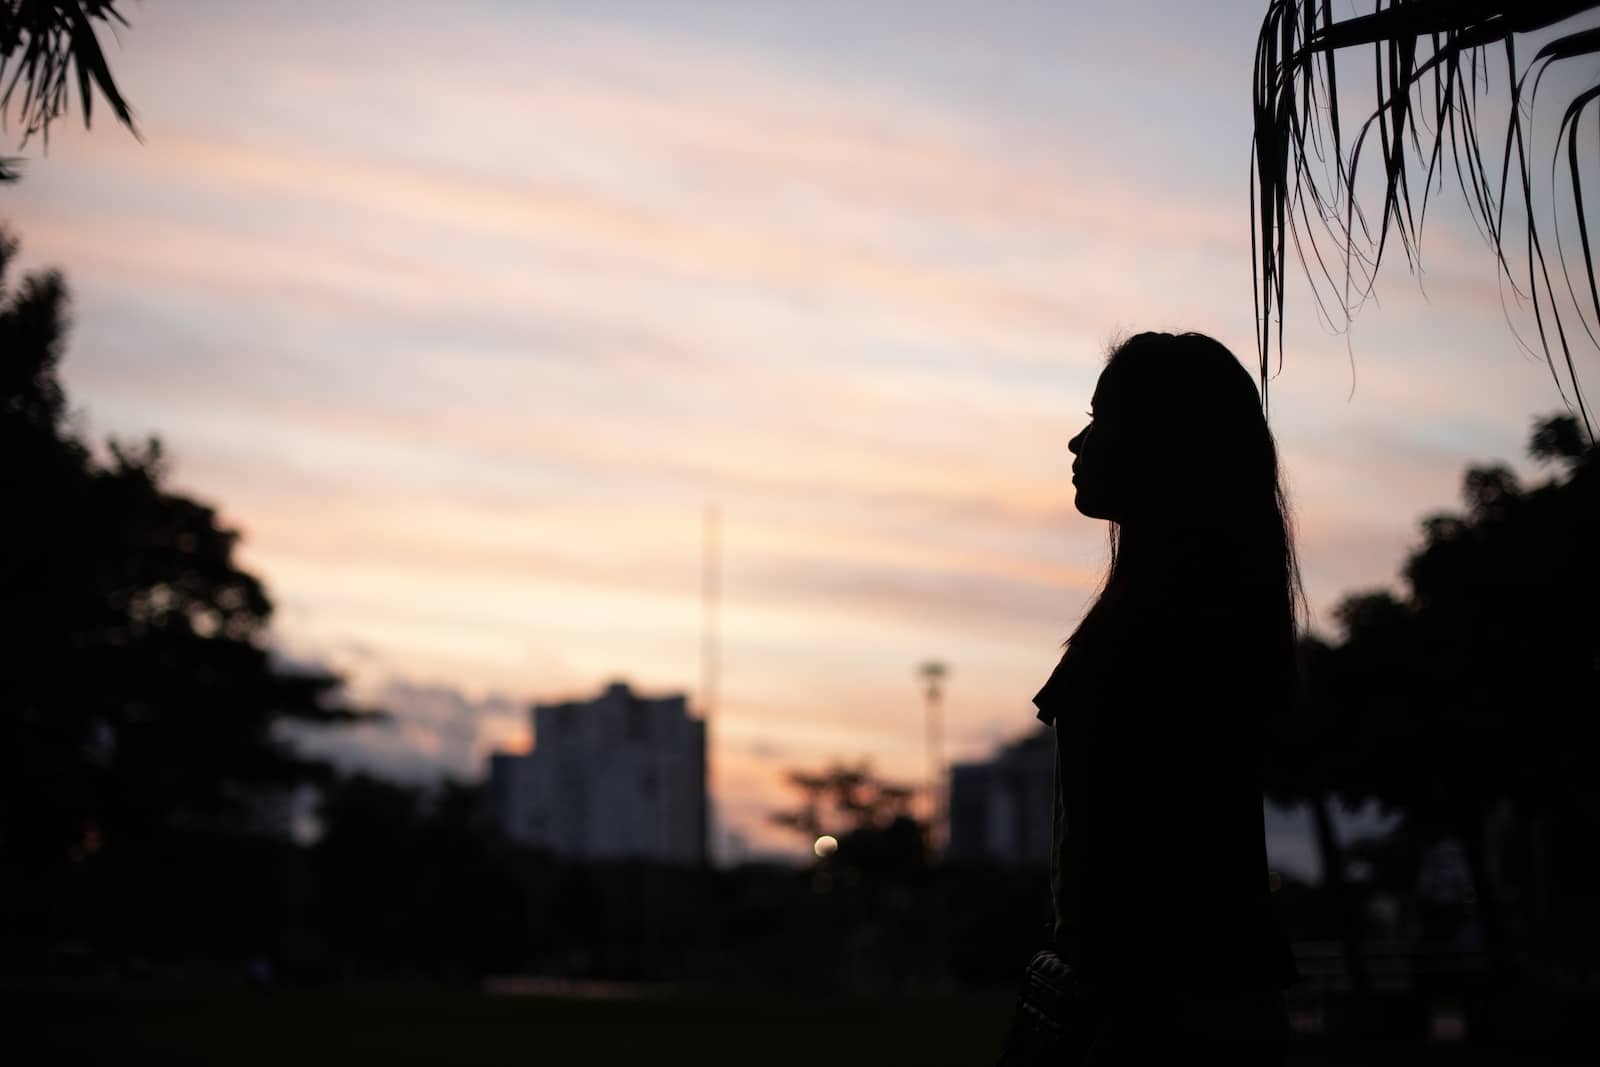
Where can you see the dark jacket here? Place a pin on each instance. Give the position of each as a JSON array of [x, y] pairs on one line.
[[1159, 866]]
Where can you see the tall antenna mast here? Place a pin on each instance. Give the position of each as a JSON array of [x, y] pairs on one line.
[[710, 592], [710, 648]]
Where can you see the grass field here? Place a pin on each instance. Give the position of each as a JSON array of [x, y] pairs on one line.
[[301, 1028]]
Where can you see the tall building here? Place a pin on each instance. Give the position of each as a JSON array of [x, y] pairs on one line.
[[1001, 809], [618, 777]]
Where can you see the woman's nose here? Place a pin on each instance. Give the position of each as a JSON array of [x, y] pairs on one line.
[[1072, 445]]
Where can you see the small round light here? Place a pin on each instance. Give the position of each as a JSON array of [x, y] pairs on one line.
[[826, 845]]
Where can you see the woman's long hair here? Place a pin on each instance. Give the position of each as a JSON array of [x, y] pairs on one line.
[[1205, 507]]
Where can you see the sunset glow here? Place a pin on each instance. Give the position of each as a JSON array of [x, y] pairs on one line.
[[462, 314]]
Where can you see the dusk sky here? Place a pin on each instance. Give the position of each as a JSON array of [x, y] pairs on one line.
[[463, 313]]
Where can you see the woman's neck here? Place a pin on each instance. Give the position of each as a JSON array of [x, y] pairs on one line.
[[1168, 546]]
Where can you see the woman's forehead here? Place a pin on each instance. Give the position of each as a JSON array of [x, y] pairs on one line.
[[1129, 384], [1105, 388]]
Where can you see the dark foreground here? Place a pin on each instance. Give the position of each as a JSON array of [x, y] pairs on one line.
[[295, 1028]]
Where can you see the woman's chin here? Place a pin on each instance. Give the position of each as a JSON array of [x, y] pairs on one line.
[[1087, 508]]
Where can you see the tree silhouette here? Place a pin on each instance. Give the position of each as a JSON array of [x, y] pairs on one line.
[[413, 877], [1474, 690], [1317, 758], [870, 817], [1433, 60], [141, 702], [843, 799]]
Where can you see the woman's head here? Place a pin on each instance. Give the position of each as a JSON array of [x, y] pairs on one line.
[[1177, 438], [1179, 458]]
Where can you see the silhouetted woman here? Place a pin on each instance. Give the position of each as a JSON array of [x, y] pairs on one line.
[[1161, 705]]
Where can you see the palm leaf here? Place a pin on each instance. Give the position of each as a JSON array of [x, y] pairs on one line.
[[42, 42], [1303, 183]]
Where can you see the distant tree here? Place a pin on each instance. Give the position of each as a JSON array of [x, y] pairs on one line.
[[140, 701], [869, 816], [1316, 759], [412, 878], [42, 42], [1475, 690], [842, 799], [1431, 64], [1504, 598]]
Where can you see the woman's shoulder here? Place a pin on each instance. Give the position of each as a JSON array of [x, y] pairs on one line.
[[1150, 656], [1081, 675], [1169, 629]]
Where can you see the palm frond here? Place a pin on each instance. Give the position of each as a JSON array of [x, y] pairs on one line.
[[1303, 182], [42, 42]]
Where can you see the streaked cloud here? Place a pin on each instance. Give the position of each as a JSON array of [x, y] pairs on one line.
[[464, 318]]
